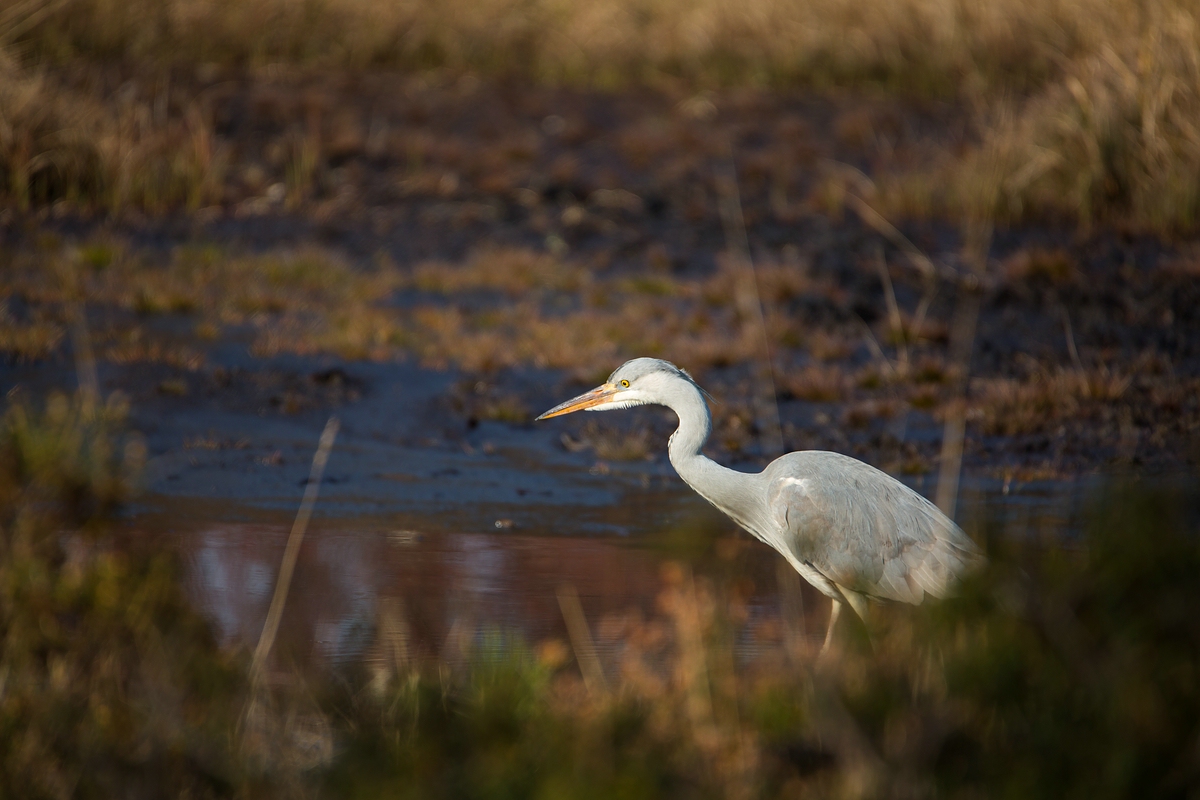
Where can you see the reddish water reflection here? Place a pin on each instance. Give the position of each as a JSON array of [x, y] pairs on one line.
[[441, 585], [446, 583]]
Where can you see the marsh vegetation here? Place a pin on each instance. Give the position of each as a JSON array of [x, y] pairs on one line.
[[890, 222], [1078, 109], [540, 185], [1059, 670]]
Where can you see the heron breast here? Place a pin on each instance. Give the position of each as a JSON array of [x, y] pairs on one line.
[[799, 483]]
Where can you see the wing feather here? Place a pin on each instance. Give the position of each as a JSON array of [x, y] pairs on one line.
[[863, 529]]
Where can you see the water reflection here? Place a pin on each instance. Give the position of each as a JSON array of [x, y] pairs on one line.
[[506, 581], [441, 585]]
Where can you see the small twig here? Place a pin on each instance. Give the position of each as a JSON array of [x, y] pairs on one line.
[[928, 268], [893, 234], [923, 309], [893, 307], [292, 551], [880, 223], [581, 640], [875, 348]]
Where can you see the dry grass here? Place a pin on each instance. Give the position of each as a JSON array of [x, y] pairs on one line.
[[501, 308], [286, 298], [130, 150], [817, 382], [1085, 109], [668, 700], [478, 400], [136, 347], [1115, 139], [311, 300], [513, 271], [609, 317], [922, 45], [29, 340], [1009, 407], [1038, 672], [613, 444], [512, 307]]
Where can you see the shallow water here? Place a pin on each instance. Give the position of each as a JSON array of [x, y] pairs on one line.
[[457, 529], [472, 567]]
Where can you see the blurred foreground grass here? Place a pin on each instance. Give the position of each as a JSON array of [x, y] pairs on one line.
[[1083, 109], [110, 685], [1070, 668]]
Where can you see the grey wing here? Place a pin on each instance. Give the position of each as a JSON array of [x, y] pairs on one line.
[[864, 530]]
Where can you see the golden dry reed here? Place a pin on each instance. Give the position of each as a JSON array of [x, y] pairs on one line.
[[1090, 108]]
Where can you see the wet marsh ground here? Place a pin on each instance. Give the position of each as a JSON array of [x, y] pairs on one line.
[[489, 226], [213, 251]]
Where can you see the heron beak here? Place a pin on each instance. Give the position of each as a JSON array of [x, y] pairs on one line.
[[596, 397]]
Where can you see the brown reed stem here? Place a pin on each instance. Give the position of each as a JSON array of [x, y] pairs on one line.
[[693, 657], [581, 640], [1072, 350], [85, 358], [81, 341], [292, 551], [890, 232], [962, 342], [894, 319]]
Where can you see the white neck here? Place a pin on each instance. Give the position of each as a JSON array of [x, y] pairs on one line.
[[738, 494]]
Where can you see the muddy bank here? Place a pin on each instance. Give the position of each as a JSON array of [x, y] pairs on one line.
[[458, 256]]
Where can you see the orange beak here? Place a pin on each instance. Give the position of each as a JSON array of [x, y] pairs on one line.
[[596, 397]]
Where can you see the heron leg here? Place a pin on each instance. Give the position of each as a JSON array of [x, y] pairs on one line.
[[857, 601], [833, 618]]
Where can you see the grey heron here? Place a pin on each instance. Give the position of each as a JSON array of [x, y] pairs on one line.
[[852, 531]]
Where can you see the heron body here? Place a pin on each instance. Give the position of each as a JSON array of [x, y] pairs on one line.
[[850, 530]]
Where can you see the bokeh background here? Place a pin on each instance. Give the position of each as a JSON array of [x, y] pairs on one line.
[[954, 239]]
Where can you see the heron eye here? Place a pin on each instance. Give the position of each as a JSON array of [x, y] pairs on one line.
[[625, 384]]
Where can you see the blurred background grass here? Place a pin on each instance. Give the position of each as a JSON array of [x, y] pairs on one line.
[[1084, 110]]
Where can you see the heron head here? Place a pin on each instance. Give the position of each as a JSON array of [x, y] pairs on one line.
[[638, 382]]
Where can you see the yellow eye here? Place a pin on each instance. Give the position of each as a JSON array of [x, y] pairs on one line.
[[625, 384]]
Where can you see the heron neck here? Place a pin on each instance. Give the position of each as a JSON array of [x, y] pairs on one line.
[[738, 494]]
